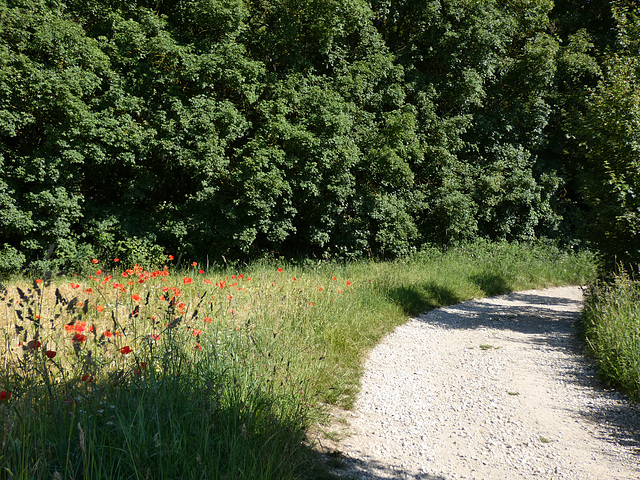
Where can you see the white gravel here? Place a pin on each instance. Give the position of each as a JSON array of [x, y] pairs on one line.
[[490, 389]]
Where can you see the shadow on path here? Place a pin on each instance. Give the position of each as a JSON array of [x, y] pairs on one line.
[[550, 323]]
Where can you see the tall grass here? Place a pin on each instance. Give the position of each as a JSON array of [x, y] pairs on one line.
[[182, 373], [611, 326]]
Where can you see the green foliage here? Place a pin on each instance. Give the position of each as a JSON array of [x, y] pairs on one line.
[[242, 128], [611, 326], [607, 130]]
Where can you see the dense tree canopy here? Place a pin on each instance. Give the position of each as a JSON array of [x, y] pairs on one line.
[[134, 129]]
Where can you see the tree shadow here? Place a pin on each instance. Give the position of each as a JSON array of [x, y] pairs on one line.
[[491, 284], [340, 467], [550, 323], [415, 300]]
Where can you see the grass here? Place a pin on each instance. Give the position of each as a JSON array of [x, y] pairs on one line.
[[611, 326], [181, 373]]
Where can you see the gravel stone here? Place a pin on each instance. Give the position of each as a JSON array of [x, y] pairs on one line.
[[490, 389]]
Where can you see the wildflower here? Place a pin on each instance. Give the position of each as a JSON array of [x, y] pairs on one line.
[[279, 270], [319, 289], [88, 290], [116, 260], [98, 272], [348, 283], [4, 395], [334, 278], [207, 281], [108, 334], [38, 280], [100, 308], [197, 333], [80, 326], [170, 257], [95, 260], [155, 337], [200, 271], [75, 285], [87, 378], [33, 344], [69, 327], [50, 353], [198, 347], [186, 280], [208, 319], [135, 297], [125, 350], [78, 337], [195, 264]]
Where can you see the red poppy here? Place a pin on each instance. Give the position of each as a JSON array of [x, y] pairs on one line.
[[198, 347], [116, 260], [107, 333], [68, 327], [135, 297], [207, 281], [38, 280], [279, 270], [170, 257], [75, 285], [125, 350], [50, 353], [208, 319], [33, 344], [333, 278], [197, 332], [95, 260], [87, 378], [294, 279], [348, 283], [100, 308], [80, 326], [200, 271], [98, 272], [195, 264], [78, 337], [5, 395], [186, 280]]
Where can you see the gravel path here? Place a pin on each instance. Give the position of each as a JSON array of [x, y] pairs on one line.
[[490, 389]]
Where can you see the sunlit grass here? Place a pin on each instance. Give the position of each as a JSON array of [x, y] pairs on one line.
[[611, 325], [186, 373]]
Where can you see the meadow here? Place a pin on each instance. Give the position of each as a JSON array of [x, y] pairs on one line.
[[180, 371]]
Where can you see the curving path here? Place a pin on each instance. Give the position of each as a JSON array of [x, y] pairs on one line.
[[490, 389]]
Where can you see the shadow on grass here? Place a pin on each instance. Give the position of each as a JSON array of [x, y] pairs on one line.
[[491, 284], [415, 300]]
